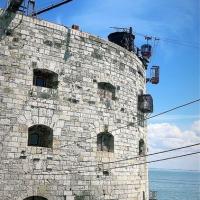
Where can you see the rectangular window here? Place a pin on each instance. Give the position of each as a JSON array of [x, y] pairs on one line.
[[140, 119]]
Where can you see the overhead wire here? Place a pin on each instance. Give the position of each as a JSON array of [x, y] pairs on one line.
[[174, 41], [157, 152], [177, 107], [123, 166], [184, 43], [146, 155], [45, 4], [68, 172], [132, 158], [158, 160], [131, 124]]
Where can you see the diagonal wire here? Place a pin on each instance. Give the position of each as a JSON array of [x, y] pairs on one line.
[[158, 160], [131, 124], [151, 154]]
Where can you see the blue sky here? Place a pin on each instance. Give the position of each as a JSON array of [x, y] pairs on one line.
[[169, 20]]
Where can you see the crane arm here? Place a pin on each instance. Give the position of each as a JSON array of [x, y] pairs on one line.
[[50, 7]]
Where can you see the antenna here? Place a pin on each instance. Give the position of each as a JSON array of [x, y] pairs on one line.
[[50, 7]]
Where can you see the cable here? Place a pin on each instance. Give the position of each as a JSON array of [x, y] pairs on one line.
[[131, 165], [131, 124], [160, 152], [175, 108], [153, 161], [155, 116], [184, 43], [159, 160], [141, 156], [180, 43]]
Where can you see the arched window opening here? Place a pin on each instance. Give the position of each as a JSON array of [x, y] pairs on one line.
[[35, 198], [40, 135], [106, 90], [45, 78], [105, 142], [141, 147]]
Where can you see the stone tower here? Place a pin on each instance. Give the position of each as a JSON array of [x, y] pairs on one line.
[[69, 111]]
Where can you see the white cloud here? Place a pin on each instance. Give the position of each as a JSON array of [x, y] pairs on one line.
[[196, 127], [163, 136], [167, 135]]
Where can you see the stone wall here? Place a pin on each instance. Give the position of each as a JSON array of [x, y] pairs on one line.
[[72, 169]]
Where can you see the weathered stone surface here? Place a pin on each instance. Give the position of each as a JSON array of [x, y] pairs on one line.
[[72, 169]]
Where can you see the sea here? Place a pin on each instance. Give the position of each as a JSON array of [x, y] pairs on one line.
[[175, 184]]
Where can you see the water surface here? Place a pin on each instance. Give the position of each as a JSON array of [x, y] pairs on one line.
[[175, 184]]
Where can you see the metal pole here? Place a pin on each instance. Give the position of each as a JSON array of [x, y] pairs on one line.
[[50, 7]]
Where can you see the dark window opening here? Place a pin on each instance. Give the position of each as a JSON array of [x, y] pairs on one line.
[[105, 142], [35, 198], [140, 119], [141, 147], [106, 90], [143, 195], [106, 173], [40, 135], [45, 78]]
